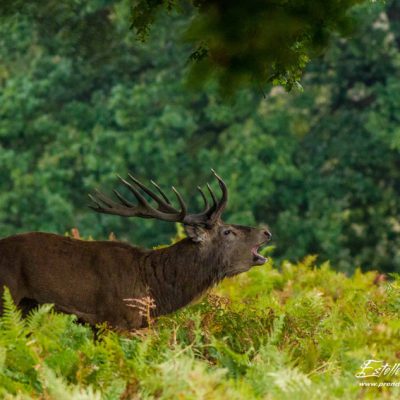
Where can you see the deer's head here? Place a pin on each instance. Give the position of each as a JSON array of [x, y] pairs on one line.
[[234, 247]]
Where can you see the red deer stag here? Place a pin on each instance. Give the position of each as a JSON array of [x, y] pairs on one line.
[[91, 279]]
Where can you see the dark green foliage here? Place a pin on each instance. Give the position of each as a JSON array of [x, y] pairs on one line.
[[303, 331], [254, 42]]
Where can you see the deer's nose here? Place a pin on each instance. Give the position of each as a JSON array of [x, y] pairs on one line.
[[267, 234]]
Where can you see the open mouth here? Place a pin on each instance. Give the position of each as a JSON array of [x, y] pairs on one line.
[[258, 259]]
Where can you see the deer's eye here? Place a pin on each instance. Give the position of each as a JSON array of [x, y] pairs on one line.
[[227, 232]]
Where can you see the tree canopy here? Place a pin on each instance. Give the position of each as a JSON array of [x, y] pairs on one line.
[[255, 42], [238, 44]]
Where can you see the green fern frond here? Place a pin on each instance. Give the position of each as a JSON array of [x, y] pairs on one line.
[[291, 381], [58, 389], [36, 317], [11, 323], [277, 330]]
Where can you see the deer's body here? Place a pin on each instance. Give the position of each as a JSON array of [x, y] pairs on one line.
[[89, 279], [93, 279]]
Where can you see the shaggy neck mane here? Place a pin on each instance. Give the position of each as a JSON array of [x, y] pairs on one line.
[[178, 274]]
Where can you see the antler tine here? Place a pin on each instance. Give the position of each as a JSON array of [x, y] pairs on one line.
[[181, 203], [105, 205], [163, 204], [161, 192], [211, 213], [136, 193], [102, 198], [224, 199], [206, 205], [214, 199], [122, 199], [94, 200]]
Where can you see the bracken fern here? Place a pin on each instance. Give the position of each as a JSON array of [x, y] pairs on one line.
[[274, 333]]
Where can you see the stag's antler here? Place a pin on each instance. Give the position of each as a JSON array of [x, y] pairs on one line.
[[164, 210]]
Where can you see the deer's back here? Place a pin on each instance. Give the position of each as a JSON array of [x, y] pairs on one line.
[[73, 274]]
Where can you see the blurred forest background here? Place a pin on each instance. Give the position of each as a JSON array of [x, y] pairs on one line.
[[82, 100]]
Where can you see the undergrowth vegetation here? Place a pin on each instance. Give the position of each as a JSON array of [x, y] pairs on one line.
[[278, 332]]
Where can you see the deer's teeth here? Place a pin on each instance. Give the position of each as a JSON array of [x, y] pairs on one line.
[[258, 258]]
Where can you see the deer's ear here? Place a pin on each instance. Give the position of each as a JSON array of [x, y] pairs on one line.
[[196, 233]]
